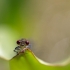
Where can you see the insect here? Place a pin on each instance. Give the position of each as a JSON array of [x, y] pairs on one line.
[[23, 44]]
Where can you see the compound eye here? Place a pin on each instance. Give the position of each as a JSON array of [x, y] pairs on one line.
[[27, 42], [18, 42]]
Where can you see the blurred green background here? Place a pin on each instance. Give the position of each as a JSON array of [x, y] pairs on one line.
[[45, 22]]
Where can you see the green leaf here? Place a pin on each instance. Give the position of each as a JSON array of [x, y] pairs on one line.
[[28, 61]]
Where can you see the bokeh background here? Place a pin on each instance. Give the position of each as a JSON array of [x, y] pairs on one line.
[[45, 22]]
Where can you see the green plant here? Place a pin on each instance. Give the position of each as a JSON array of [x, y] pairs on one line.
[[28, 61]]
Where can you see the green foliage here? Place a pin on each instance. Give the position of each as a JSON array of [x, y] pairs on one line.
[[27, 61], [10, 15]]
